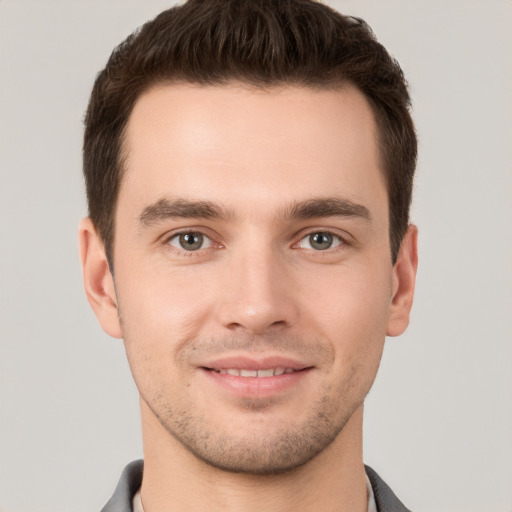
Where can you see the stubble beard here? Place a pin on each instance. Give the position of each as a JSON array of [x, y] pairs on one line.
[[284, 449], [278, 449]]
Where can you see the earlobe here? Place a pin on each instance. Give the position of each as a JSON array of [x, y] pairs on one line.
[[404, 279], [97, 278]]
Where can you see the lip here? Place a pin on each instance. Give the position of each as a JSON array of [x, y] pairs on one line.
[[253, 363], [256, 387]]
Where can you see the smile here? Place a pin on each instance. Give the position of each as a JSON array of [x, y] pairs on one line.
[[270, 372], [244, 376]]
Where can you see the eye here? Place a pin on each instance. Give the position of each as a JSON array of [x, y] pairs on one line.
[[320, 241], [190, 241]]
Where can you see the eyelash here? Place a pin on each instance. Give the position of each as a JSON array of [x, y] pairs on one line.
[[183, 252], [341, 245], [342, 242]]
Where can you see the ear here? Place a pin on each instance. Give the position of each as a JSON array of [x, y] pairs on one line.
[[404, 278], [98, 280]]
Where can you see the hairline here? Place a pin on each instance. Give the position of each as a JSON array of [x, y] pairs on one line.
[[337, 84]]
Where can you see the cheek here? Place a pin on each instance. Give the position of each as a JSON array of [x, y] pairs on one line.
[[157, 318], [351, 309], [350, 298], [159, 310]]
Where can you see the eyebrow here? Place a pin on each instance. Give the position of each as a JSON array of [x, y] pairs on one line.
[[165, 208], [327, 207]]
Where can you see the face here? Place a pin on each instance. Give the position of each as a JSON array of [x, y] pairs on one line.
[[253, 275]]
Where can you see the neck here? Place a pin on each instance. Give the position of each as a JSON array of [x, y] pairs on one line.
[[175, 479]]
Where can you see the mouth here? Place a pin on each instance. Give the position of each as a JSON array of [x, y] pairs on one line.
[[263, 373], [248, 377]]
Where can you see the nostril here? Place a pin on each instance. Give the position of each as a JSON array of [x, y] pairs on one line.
[[257, 316], [257, 328]]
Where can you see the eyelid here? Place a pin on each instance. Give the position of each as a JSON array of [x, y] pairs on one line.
[[344, 237], [337, 241], [205, 239], [206, 233]]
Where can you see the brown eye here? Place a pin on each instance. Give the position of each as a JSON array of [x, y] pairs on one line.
[[320, 241], [190, 241]]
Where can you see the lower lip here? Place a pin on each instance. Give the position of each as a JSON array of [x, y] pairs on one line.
[[256, 386]]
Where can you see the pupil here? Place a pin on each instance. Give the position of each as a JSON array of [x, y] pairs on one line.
[[321, 241], [191, 241]]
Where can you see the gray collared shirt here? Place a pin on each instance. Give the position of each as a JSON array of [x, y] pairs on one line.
[[384, 500]]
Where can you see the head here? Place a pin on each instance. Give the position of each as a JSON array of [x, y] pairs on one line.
[[261, 43], [249, 169]]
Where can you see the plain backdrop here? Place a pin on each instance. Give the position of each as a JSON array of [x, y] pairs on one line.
[[439, 418]]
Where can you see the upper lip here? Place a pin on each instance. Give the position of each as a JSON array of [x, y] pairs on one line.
[[245, 362]]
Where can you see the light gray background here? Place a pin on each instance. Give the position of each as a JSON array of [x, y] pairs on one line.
[[439, 419]]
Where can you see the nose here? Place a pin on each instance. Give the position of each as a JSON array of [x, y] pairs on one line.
[[258, 292]]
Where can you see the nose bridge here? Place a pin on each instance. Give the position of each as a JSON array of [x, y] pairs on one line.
[[257, 289]]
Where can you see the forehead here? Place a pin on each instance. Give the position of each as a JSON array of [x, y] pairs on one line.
[[240, 144]]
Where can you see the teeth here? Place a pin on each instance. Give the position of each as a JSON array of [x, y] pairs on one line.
[[248, 373], [270, 372]]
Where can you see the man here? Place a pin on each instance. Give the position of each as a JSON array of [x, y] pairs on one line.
[[249, 169]]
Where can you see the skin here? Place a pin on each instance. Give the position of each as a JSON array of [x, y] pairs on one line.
[[256, 173]]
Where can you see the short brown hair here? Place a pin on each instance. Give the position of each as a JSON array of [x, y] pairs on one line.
[[262, 43]]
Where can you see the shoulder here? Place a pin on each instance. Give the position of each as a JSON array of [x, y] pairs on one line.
[[384, 497], [129, 484]]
